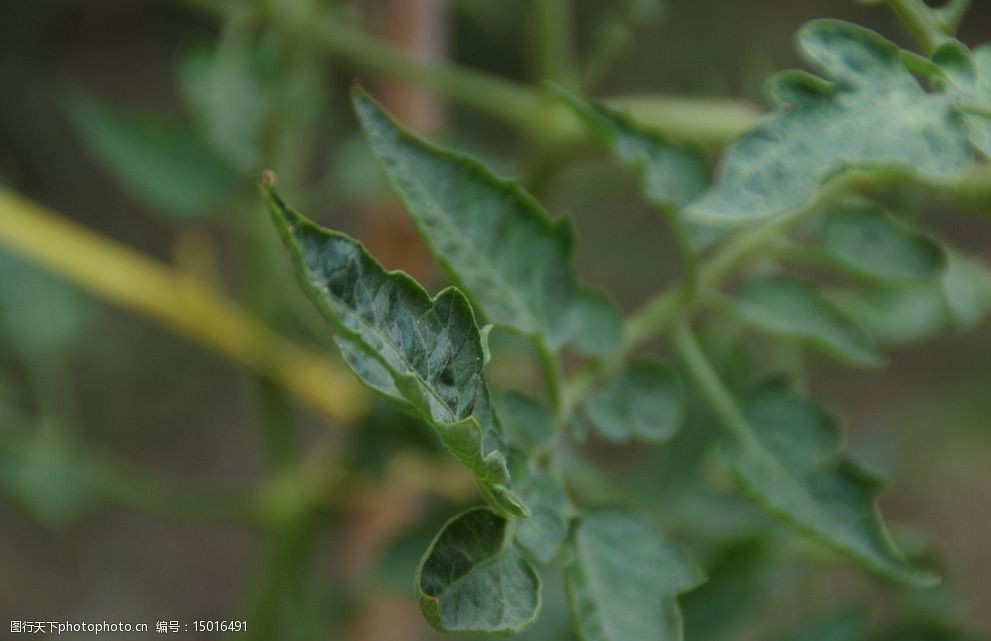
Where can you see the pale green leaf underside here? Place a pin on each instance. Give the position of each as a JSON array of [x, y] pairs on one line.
[[422, 353], [671, 175], [594, 322], [894, 315], [958, 300], [980, 126], [790, 309], [542, 534], [526, 422], [792, 464], [969, 77], [645, 401], [625, 578], [865, 239], [161, 162], [871, 114], [966, 289], [491, 237], [470, 581]]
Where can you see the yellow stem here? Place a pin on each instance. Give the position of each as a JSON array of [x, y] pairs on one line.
[[178, 300]]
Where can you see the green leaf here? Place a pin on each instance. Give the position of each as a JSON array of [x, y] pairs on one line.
[[471, 580], [40, 315], [491, 237], [671, 174], [739, 581], [871, 114], [161, 162], [544, 532], [790, 461], [625, 579], [645, 401], [527, 423], [966, 290], [47, 475], [373, 374], [225, 88], [594, 323], [868, 241], [969, 77], [959, 300], [425, 354], [895, 315], [790, 309]]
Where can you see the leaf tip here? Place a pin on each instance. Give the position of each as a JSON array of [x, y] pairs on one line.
[[362, 101], [268, 179]]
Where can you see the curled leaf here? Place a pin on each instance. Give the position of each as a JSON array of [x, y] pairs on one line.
[[471, 580], [869, 113], [422, 353]]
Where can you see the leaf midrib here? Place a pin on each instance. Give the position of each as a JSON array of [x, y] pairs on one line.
[[373, 329]]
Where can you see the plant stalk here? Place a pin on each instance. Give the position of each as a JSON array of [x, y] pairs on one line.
[[707, 380], [553, 44], [178, 301], [921, 21]]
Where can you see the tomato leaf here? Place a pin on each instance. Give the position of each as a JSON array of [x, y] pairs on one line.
[[869, 113], [645, 401], [424, 353], [625, 579], [471, 580], [968, 75], [492, 238], [791, 309], [161, 162], [868, 241], [790, 461], [544, 532]]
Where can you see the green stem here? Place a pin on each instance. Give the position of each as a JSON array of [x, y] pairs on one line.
[[921, 21], [665, 310], [133, 488], [614, 37], [276, 425], [688, 255], [709, 384], [488, 93], [292, 522], [334, 35], [550, 366], [950, 15], [973, 192], [978, 110], [282, 578], [552, 22], [660, 313], [711, 122]]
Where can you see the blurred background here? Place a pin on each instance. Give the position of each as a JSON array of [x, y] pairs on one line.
[[178, 440]]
